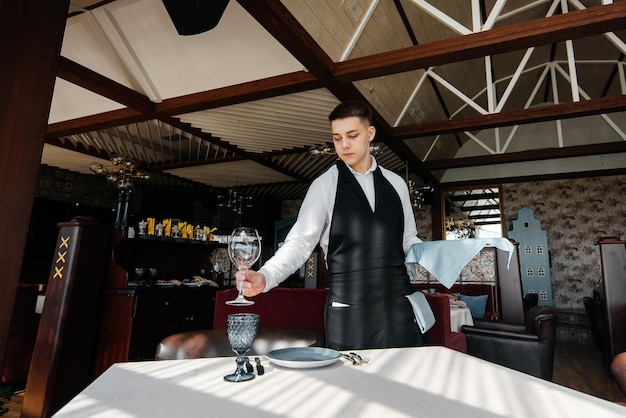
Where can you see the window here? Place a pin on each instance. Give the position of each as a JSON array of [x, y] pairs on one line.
[[530, 272], [539, 249], [541, 272], [528, 249]]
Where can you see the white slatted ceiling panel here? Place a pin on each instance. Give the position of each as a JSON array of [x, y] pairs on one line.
[[231, 174], [284, 122], [69, 160]]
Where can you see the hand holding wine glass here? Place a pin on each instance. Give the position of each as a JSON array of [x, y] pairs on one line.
[[244, 249]]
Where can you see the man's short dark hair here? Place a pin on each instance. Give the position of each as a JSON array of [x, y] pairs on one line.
[[351, 108]]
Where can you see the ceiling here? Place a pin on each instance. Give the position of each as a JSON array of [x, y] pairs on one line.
[[475, 91]]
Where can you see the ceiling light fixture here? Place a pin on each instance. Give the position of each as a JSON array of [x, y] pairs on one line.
[[316, 151], [122, 174], [235, 200], [416, 193]]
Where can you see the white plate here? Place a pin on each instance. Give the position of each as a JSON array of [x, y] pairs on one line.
[[303, 357]]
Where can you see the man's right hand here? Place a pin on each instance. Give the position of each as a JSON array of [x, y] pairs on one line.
[[253, 282]]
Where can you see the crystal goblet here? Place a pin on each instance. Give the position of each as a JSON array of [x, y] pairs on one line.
[[242, 329], [244, 249]]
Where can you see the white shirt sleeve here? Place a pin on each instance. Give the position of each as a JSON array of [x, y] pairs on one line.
[[410, 229], [313, 222]]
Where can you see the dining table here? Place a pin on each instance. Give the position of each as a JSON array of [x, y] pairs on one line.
[[459, 316], [429, 381]]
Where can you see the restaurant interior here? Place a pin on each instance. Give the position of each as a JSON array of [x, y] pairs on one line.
[[148, 130]]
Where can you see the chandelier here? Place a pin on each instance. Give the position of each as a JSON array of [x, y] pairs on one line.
[[416, 193], [318, 150], [460, 229], [235, 200], [122, 174]]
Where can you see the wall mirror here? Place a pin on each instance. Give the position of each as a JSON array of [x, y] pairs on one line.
[[472, 212]]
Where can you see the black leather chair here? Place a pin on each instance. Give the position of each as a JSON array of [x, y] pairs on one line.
[[599, 329], [526, 348], [530, 300]]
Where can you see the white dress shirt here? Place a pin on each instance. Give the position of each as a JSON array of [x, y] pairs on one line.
[[313, 223]]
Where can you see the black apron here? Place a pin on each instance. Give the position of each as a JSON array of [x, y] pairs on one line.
[[367, 271]]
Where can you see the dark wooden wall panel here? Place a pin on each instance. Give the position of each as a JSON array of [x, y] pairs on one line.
[[31, 33], [613, 261]]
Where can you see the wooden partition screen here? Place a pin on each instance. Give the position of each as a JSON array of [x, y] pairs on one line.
[[613, 261], [63, 359]]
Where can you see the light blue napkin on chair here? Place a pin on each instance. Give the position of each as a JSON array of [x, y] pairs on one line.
[[423, 314]]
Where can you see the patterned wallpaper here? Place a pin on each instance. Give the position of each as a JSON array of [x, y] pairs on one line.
[[424, 223], [574, 213]]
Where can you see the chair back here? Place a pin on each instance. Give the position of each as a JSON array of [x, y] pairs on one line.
[[280, 307], [530, 300]]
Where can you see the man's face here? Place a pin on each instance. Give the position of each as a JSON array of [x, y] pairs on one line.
[[352, 137]]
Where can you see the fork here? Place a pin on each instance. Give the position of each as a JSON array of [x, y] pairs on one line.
[[351, 358], [356, 359], [359, 360]]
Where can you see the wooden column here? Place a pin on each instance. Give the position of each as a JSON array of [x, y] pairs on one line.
[[613, 262], [31, 33], [510, 285], [65, 349]]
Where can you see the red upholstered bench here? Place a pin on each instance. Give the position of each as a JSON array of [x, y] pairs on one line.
[[304, 308], [441, 333], [492, 309], [280, 307]]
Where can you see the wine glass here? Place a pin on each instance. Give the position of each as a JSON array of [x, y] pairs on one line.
[[242, 328], [244, 249], [139, 273]]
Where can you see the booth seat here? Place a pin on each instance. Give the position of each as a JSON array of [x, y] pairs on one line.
[[280, 307], [492, 308], [304, 308]]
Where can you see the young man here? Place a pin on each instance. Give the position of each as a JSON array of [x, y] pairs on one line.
[[360, 214]]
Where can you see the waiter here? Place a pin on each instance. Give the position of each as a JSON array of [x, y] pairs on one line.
[[360, 214]]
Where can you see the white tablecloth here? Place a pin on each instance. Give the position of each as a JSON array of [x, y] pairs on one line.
[[404, 382], [460, 316]]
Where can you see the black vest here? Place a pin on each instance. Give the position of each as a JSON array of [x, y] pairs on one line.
[[367, 271]]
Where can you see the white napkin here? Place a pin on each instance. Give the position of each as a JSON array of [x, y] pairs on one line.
[[446, 259], [423, 314]]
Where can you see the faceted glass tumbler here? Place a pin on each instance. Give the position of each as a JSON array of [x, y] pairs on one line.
[[242, 329]]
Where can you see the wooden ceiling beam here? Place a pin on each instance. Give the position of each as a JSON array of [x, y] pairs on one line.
[[295, 82], [545, 31], [104, 120], [514, 117], [90, 80], [530, 155]]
